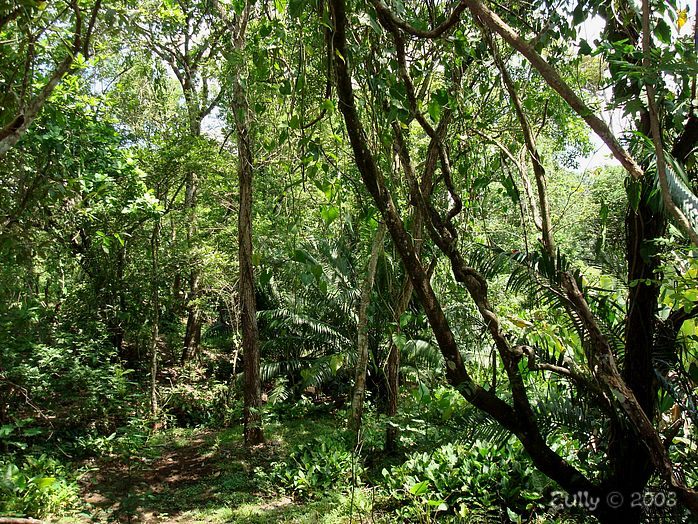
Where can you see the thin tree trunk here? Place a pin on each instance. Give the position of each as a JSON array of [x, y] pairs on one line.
[[403, 301], [546, 227], [192, 334], [248, 308], [391, 433], [525, 182], [357, 401], [155, 335], [254, 433]]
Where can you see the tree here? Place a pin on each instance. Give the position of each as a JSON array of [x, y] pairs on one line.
[[26, 93], [254, 433], [615, 397], [173, 34], [357, 400]]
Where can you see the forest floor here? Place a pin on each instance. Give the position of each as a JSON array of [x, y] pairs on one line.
[[202, 475]]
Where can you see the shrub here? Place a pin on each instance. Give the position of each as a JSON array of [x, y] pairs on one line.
[[195, 399], [314, 468], [76, 378], [39, 486], [461, 479]]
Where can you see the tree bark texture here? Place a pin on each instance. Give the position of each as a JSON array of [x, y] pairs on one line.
[[253, 430], [359, 393], [155, 334]]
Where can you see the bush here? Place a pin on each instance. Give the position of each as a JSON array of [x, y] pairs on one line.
[[75, 378], [313, 469], [195, 399], [460, 479], [39, 486]]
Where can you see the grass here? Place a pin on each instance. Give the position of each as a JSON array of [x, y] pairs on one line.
[[204, 475]]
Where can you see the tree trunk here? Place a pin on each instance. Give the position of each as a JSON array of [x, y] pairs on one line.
[[403, 300], [193, 331], [155, 335], [253, 430], [248, 307], [631, 466], [357, 401], [630, 463], [391, 433]]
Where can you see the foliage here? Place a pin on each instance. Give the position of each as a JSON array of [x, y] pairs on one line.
[[36, 486], [194, 398], [80, 384], [314, 469], [461, 479], [120, 318]]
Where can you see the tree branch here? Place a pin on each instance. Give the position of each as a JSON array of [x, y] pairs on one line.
[[554, 80], [531, 147], [452, 20], [12, 132], [656, 131]]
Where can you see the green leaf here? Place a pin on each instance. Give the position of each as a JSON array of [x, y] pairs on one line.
[[265, 30], [579, 13], [420, 488], [285, 88], [434, 110], [336, 362], [663, 31], [422, 394], [513, 516], [693, 372], [584, 48], [265, 277], [295, 8], [399, 340], [634, 191], [44, 483], [329, 214]]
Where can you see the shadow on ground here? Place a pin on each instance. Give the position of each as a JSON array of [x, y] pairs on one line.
[[209, 475]]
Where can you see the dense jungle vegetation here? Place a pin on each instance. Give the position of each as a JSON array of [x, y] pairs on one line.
[[348, 261]]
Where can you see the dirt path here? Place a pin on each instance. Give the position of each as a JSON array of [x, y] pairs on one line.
[[182, 478]]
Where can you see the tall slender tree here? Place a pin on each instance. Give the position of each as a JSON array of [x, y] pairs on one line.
[[359, 393], [189, 49], [237, 24]]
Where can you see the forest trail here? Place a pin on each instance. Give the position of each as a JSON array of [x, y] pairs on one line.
[[175, 478], [199, 476]]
